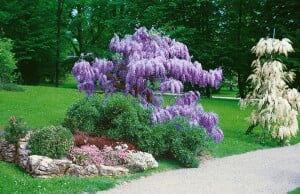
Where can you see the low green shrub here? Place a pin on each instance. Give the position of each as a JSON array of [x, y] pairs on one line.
[[187, 143], [51, 141], [11, 87], [155, 139], [122, 117], [176, 138], [16, 130], [84, 115], [116, 116]]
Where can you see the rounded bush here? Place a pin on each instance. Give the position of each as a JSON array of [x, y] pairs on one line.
[[51, 141], [16, 130], [175, 138], [187, 143], [117, 116], [84, 115], [122, 117], [155, 139]]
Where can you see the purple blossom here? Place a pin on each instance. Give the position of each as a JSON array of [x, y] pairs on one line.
[[83, 71], [189, 98], [145, 56], [185, 106], [174, 85]]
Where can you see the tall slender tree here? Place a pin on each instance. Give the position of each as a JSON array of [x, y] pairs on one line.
[[60, 4]]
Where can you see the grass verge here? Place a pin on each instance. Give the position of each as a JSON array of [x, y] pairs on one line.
[[15, 180]]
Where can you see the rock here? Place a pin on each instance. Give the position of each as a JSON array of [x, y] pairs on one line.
[[45, 167], [7, 151], [26, 137], [22, 154], [112, 170], [141, 161], [82, 171]]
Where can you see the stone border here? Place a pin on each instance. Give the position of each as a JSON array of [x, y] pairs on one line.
[[45, 167]]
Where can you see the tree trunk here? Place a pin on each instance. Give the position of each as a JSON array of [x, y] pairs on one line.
[[241, 86], [250, 128], [58, 39], [240, 80]]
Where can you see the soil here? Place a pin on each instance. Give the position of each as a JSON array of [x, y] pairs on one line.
[[82, 138]]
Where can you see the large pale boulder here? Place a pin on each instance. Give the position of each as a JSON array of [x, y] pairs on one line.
[[82, 171], [112, 170], [44, 167], [22, 154]]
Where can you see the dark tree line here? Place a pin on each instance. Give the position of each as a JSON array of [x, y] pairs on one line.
[[49, 36]]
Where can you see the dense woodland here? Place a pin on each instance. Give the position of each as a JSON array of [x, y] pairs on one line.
[[49, 36]]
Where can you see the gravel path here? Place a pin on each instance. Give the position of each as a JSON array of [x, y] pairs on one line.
[[266, 171]]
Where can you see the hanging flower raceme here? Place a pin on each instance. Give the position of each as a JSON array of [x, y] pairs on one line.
[[174, 85], [186, 107], [146, 55], [85, 76]]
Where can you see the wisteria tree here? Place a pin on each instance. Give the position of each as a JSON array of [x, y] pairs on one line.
[[276, 105], [146, 57]]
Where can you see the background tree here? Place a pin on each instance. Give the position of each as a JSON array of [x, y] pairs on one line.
[[217, 33], [284, 17], [33, 31], [7, 61], [59, 13]]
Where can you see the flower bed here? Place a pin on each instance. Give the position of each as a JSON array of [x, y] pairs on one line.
[[84, 161]]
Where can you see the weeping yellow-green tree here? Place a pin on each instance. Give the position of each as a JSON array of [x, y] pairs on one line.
[[276, 105]]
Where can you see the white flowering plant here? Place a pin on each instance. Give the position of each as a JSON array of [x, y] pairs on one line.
[[276, 105]]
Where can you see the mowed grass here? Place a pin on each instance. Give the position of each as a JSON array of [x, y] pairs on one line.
[[38, 105], [15, 180], [224, 92], [234, 124], [41, 106]]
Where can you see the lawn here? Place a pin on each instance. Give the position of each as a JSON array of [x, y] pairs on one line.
[[37, 105], [43, 105], [296, 191]]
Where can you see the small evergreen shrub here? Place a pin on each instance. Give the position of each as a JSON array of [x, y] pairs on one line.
[[84, 115], [16, 130], [176, 138], [122, 117], [155, 139], [51, 141], [116, 116], [187, 143], [11, 87]]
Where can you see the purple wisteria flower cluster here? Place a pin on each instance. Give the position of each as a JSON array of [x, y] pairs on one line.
[[148, 56], [145, 55], [186, 106]]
